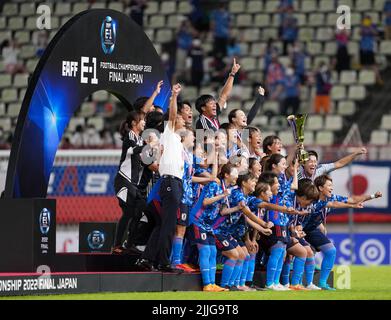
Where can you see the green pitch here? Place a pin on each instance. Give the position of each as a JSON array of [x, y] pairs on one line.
[[372, 283]]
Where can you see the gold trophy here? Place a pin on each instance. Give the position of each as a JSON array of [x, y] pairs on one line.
[[297, 125]]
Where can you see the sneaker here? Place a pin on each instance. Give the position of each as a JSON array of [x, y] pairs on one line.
[[253, 286], [233, 288], [298, 287], [132, 250], [118, 250], [169, 269], [209, 288], [219, 289], [145, 265], [311, 286], [244, 288], [280, 287], [286, 285], [326, 287], [192, 267], [271, 287], [185, 268]]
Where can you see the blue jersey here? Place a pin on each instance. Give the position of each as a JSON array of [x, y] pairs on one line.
[[226, 224], [198, 170], [319, 212], [204, 217], [278, 218], [187, 197], [285, 192]]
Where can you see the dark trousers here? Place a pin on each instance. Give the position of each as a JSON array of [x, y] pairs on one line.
[[159, 245], [290, 106], [132, 210]]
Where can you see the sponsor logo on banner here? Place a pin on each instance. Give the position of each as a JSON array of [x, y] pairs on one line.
[[44, 221], [368, 249], [108, 34], [96, 239]]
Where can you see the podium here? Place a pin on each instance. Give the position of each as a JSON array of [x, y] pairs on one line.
[[27, 234]]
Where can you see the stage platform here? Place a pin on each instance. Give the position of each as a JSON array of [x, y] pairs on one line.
[[94, 273]]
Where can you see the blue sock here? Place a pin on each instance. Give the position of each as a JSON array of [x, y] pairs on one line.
[[243, 275], [298, 269], [236, 273], [272, 263], [204, 263], [279, 267], [329, 253], [286, 270], [251, 267], [176, 251], [228, 268], [212, 264], [309, 270]]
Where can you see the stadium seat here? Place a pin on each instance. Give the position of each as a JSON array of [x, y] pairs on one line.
[[271, 6], [268, 33], [306, 34], [22, 36], [98, 5], [157, 21], [5, 80], [10, 9], [386, 122], [348, 3], [2, 109], [79, 7], [286, 137], [168, 7], [257, 49], [254, 6], [309, 137], [385, 47], [9, 95], [357, 92], [118, 6], [31, 24], [16, 23], [314, 48], [250, 35], [378, 5], [190, 92], [338, 93], [173, 21], [272, 107], [324, 138], [5, 123], [262, 20], [100, 96], [244, 20], [152, 8], [31, 64], [301, 19], [353, 48], [314, 122], [346, 108], [13, 110], [367, 77], [326, 6], [316, 19], [74, 122], [63, 9], [379, 137], [324, 34], [334, 122], [330, 48], [22, 93], [184, 7], [348, 77], [87, 109], [331, 18], [20, 80], [236, 6], [27, 9], [363, 5], [163, 35], [260, 122], [308, 6]]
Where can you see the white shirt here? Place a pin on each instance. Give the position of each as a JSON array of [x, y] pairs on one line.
[[321, 169], [172, 160]]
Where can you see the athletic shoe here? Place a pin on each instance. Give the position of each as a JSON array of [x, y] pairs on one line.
[[132, 250], [280, 287], [298, 287], [326, 287], [219, 266], [170, 269], [193, 267], [271, 287], [286, 285], [185, 268], [209, 288], [313, 287], [145, 265], [219, 289], [234, 288], [244, 288], [118, 250], [253, 286]]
